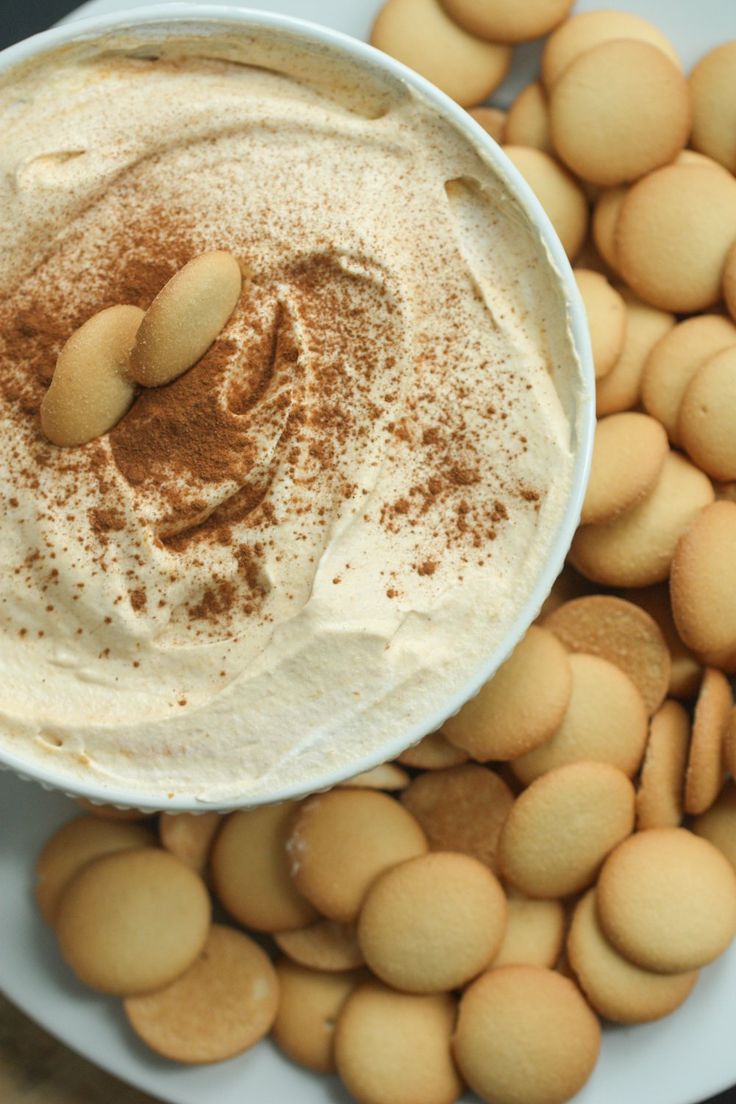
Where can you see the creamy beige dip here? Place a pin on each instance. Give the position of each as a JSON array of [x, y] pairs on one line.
[[308, 545]]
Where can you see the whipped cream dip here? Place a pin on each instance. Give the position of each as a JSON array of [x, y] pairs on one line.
[[306, 545]]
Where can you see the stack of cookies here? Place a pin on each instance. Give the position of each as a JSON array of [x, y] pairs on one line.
[[564, 850]]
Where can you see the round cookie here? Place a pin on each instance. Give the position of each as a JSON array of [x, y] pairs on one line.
[[189, 836], [617, 630], [387, 776], [325, 946], [637, 548], [413, 934], [707, 419], [589, 29], [703, 594], [561, 828], [713, 91], [686, 671], [605, 217], [75, 844], [433, 752], [729, 282], [535, 932], [597, 126], [493, 121], [674, 231], [718, 825], [250, 870], [528, 119], [133, 921], [659, 798], [224, 1003], [420, 34], [606, 722], [667, 900], [504, 720], [461, 809], [309, 1005], [705, 775], [500, 21], [392, 1047], [615, 987], [619, 389], [561, 197], [629, 452], [525, 1035], [675, 359], [342, 840], [606, 313]]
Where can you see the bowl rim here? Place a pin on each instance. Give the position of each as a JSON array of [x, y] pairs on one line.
[[211, 18]]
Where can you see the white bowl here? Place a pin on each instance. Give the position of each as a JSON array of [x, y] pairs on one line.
[[579, 402]]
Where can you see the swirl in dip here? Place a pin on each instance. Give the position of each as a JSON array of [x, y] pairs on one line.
[[314, 539]]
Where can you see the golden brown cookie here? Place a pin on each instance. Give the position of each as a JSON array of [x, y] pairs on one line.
[[703, 594], [500, 21], [324, 946], [309, 1005], [133, 921], [561, 828], [222, 1005], [588, 29], [189, 836], [731, 744], [493, 121], [605, 217], [414, 936], [525, 1035], [596, 123], [637, 548], [528, 119], [605, 722], [660, 796], [615, 987], [434, 752], [707, 416], [393, 1046], [557, 191], [705, 775], [535, 932], [461, 809], [387, 776], [686, 671], [675, 359], [75, 844], [420, 34], [674, 231], [504, 721], [617, 630], [667, 900], [628, 456], [718, 825], [713, 90], [606, 313], [250, 870], [342, 840], [620, 388]]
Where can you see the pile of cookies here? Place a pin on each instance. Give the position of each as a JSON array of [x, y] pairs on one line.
[[565, 848]]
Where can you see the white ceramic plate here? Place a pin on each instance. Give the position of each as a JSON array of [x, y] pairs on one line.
[[682, 1060]]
